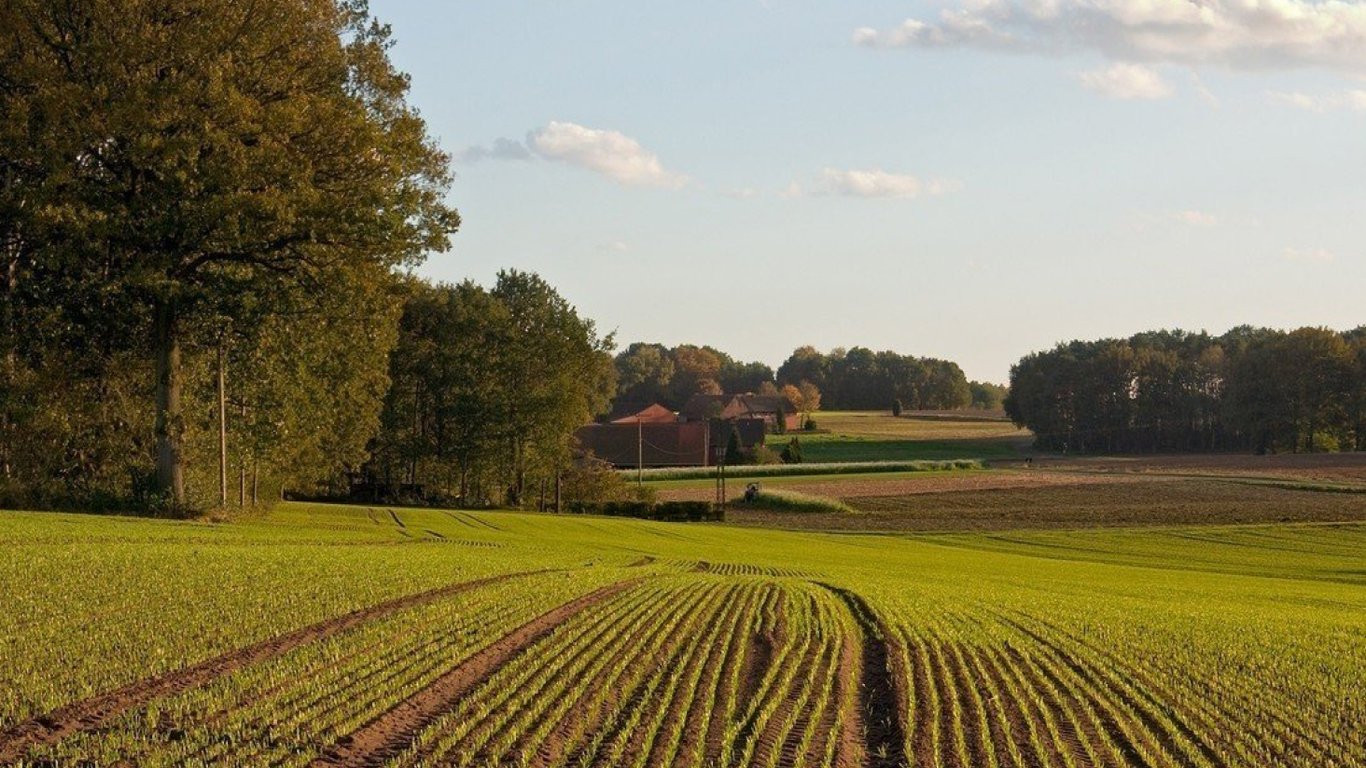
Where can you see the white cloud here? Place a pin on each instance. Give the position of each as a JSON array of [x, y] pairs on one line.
[[1126, 81], [500, 149], [610, 153], [870, 183], [1240, 34], [1308, 255], [1354, 101]]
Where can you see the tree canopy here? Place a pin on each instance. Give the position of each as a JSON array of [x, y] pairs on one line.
[[1249, 389], [182, 177]]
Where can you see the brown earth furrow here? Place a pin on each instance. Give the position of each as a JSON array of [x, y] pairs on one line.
[[584, 729], [1071, 739], [951, 713], [736, 665], [665, 706], [499, 697], [688, 696], [772, 738], [1158, 735], [707, 706], [929, 700], [881, 715], [615, 657], [387, 735], [792, 752], [978, 743], [99, 711], [1027, 728]]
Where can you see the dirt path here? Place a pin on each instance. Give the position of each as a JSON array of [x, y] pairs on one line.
[[391, 732], [98, 711], [880, 716]]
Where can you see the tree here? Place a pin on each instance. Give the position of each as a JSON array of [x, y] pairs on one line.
[[811, 399], [896, 407], [792, 452], [204, 159], [735, 454], [644, 373], [488, 388]]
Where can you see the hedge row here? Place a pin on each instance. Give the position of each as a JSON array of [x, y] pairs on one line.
[[677, 511], [780, 470]]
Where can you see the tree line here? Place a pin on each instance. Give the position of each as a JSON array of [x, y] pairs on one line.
[[1250, 389], [852, 379], [861, 379]]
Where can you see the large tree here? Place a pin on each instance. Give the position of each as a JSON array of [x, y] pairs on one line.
[[183, 161]]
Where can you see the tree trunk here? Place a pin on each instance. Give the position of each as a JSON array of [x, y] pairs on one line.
[[222, 428], [169, 427]]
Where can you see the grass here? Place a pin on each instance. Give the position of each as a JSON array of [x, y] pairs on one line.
[[854, 436], [1206, 644], [779, 500], [804, 469]]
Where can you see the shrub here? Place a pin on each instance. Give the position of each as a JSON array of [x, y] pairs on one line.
[[795, 501], [896, 407], [792, 452]]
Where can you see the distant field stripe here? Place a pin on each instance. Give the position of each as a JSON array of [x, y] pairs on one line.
[[97, 712], [394, 730]]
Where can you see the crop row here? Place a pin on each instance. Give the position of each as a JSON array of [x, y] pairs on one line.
[[289, 709]]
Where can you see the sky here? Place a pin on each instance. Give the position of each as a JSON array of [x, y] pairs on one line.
[[965, 179]]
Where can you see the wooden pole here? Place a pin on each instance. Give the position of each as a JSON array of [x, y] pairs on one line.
[[222, 428]]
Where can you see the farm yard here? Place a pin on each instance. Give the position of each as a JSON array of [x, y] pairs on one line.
[[347, 636]]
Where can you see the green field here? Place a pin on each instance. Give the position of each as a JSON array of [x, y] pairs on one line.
[[877, 436], [351, 636]]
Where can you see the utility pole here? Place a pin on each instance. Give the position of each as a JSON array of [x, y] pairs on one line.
[[222, 428]]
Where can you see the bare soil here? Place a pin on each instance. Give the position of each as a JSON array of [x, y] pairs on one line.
[[1130, 501]]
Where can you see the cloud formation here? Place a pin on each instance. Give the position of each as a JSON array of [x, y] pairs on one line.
[[871, 183], [1239, 34], [1126, 81], [500, 149], [610, 153], [1354, 101]]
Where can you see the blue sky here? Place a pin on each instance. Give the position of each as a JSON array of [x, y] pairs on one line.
[[968, 179]]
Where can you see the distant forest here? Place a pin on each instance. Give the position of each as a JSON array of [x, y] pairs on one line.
[[848, 379], [1254, 389]]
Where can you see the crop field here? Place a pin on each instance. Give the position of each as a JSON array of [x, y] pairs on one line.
[[878, 436], [321, 635]]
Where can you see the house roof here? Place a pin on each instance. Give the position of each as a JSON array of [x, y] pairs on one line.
[[702, 406], [655, 414]]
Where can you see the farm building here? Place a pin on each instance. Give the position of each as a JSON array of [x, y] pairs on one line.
[[771, 409], [657, 437]]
